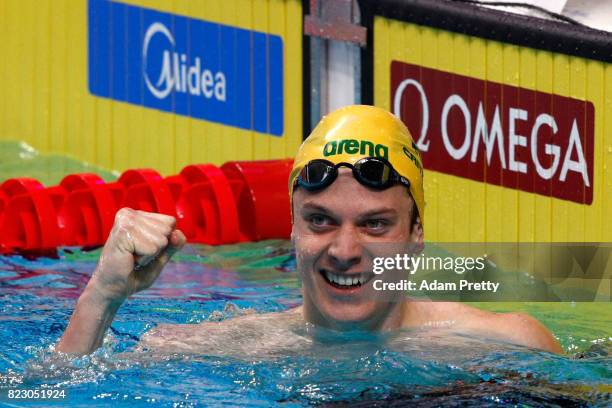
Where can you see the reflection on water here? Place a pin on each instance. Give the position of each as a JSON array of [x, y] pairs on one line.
[[277, 359]]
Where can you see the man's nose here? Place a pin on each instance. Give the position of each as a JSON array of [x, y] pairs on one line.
[[345, 250]]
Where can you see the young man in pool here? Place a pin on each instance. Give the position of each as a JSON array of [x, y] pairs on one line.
[[356, 188]]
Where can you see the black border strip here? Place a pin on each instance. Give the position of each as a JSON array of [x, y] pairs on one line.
[[490, 24], [367, 11], [465, 18]]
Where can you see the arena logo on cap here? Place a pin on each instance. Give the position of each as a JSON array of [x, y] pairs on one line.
[[496, 133], [352, 146], [186, 66]]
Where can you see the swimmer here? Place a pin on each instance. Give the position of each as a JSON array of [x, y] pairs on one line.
[[356, 182]]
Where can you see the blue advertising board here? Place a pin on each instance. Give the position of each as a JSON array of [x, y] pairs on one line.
[[186, 66]]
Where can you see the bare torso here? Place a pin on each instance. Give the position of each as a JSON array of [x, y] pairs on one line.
[[287, 333]]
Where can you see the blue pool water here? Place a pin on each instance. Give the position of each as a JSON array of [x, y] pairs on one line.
[[308, 366]]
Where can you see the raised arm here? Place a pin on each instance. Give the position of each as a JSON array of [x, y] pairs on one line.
[[138, 247]]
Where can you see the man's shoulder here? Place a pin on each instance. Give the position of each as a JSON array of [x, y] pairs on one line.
[[209, 334], [514, 327]]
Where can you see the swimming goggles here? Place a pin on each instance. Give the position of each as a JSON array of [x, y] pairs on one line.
[[372, 172]]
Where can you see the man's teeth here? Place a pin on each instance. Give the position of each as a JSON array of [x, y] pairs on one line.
[[345, 280]]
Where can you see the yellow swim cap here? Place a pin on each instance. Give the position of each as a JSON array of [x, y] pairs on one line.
[[351, 133]]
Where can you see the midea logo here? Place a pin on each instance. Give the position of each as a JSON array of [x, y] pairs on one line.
[[177, 74]]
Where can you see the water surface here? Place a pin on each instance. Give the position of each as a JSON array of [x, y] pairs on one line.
[[309, 366]]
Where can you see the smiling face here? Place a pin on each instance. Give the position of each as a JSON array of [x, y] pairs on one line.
[[331, 232]]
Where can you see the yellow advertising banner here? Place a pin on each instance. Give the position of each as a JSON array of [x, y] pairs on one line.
[[161, 84]]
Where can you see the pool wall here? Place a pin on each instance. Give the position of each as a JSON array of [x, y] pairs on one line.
[[158, 84], [451, 71], [525, 153]]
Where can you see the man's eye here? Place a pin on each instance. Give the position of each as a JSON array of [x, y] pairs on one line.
[[319, 220], [375, 224]]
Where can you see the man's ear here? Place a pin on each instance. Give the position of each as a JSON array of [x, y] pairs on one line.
[[292, 222], [417, 235]]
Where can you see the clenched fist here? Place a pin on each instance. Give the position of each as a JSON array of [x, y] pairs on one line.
[[138, 247]]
